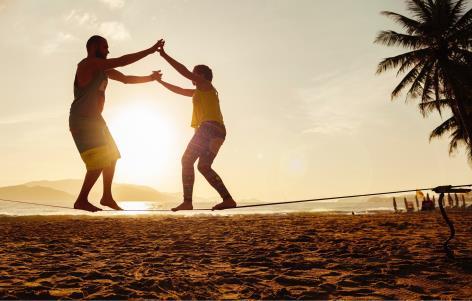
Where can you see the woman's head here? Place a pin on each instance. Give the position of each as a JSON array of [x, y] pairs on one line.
[[203, 70]]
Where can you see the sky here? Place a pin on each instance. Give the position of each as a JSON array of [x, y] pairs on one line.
[[305, 113]]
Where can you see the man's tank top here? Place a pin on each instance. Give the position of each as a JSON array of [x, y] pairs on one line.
[[86, 109]]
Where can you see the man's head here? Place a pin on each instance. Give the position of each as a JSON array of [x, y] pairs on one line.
[[97, 46], [204, 71]]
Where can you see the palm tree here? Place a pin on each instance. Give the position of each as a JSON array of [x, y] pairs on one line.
[[438, 64]]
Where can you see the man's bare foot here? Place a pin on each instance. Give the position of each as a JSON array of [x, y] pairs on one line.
[[85, 205], [110, 203], [226, 204], [184, 206]]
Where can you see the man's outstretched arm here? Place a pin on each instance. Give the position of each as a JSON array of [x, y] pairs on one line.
[[128, 79], [105, 64]]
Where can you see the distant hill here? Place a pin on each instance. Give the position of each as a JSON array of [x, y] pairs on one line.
[[121, 192], [389, 200], [67, 190], [35, 193]]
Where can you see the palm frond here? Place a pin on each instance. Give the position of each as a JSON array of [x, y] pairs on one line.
[[404, 60], [418, 84], [420, 9], [462, 55], [463, 21], [393, 38], [454, 143], [416, 57], [456, 134], [411, 26], [462, 36], [430, 106], [458, 139], [408, 79], [447, 126], [428, 87], [456, 11]]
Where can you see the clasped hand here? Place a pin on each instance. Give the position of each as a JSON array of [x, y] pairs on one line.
[[156, 75]]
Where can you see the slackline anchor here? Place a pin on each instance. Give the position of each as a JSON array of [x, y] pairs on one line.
[[443, 190]]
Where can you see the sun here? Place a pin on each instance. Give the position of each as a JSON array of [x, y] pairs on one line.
[[146, 140]]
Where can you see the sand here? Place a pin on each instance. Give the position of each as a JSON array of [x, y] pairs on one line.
[[294, 256]]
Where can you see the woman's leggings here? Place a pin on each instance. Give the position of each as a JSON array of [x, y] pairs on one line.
[[204, 146]]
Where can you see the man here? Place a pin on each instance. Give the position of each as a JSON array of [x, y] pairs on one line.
[[88, 128]]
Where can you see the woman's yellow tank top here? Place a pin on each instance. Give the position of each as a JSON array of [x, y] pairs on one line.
[[206, 107]]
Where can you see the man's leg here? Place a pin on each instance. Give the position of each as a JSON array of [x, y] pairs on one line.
[[107, 198], [82, 200]]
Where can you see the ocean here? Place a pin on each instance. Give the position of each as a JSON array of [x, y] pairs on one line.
[[155, 208]]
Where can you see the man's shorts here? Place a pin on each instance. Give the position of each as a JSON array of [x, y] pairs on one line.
[[96, 147]]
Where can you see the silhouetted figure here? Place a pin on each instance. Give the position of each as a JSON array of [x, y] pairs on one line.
[[408, 205], [456, 201], [427, 204], [88, 128], [450, 201], [210, 131]]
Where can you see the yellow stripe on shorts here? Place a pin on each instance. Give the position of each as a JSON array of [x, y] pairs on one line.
[[99, 157]]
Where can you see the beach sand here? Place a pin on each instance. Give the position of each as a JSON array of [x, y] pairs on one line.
[[292, 256]]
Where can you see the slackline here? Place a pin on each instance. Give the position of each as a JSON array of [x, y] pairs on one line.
[[249, 205]]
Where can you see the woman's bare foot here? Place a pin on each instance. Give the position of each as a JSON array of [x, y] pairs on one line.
[[226, 204], [184, 206], [110, 202], [85, 205]]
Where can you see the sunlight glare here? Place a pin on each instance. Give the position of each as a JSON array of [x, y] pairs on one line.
[[141, 206], [146, 140]]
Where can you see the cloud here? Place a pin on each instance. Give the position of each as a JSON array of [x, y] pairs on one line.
[[341, 102], [114, 31], [81, 18], [110, 30], [114, 4], [58, 41]]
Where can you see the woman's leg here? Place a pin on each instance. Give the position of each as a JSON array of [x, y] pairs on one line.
[[204, 166], [188, 174]]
